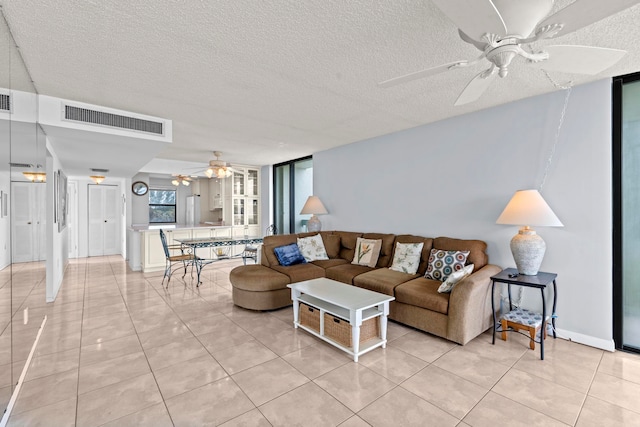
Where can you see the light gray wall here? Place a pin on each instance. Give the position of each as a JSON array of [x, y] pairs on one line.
[[139, 204], [454, 177]]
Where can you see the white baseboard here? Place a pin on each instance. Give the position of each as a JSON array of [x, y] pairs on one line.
[[600, 343]]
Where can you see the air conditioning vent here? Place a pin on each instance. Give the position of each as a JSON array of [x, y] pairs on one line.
[[5, 102], [21, 165], [99, 170], [85, 115]]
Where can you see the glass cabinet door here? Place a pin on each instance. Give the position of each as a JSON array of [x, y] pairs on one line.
[[252, 182], [238, 183], [238, 211], [252, 212]]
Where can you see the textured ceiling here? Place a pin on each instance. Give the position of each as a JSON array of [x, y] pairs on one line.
[[265, 82]]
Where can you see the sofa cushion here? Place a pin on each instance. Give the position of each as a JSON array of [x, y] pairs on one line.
[[328, 263], [382, 280], [426, 249], [331, 244], [367, 252], [346, 272], [269, 243], [300, 272], [406, 257], [477, 249], [388, 240], [444, 263], [257, 278], [454, 278], [312, 248], [347, 244], [423, 293], [289, 255]]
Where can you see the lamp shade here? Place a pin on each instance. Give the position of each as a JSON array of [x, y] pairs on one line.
[[527, 207], [313, 206]]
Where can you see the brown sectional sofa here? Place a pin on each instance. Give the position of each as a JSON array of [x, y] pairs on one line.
[[459, 316]]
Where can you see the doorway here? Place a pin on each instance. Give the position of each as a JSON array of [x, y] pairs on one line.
[[292, 184], [103, 220], [626, 203]]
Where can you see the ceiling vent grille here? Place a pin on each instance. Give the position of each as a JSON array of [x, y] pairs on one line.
[[85, 115], [5, 102], [21, 165]]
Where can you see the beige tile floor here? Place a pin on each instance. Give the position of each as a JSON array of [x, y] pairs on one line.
[[120, 350]]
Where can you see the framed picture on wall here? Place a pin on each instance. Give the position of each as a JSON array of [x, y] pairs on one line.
[[62, 200], [55, 197]]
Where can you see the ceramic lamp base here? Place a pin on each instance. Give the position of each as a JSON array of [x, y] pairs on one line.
[[314, 224], [528, 251]]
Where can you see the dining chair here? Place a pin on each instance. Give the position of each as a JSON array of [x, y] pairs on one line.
[[251, 251], [186, 259]]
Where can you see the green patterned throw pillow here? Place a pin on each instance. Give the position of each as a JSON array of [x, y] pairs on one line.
[[312, 248], [406, 258]]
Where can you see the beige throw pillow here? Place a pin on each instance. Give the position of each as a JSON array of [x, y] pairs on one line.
[[406, 259], [312, 248], [367, 252], [455, 278]]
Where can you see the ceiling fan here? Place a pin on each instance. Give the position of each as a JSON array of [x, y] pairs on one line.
[[181, 179], [499, 28], [218, 168]]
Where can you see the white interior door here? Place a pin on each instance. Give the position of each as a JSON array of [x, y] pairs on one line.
[[28, 221], [111, 245], [103, 220]]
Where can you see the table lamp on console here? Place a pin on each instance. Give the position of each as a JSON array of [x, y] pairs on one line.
[[527, 208]]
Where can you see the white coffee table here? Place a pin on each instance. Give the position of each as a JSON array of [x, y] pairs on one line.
[[344, 301]]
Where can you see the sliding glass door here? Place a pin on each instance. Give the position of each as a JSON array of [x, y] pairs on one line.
[[292, 184], [627, 212]]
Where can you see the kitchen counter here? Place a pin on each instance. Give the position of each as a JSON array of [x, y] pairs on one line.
[[148, 227], [145, 248]]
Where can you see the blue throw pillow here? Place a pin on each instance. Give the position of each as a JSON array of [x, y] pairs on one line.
[[289, 255]]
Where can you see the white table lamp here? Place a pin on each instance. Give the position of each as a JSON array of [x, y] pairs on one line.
[[314, 207], [528, 207]]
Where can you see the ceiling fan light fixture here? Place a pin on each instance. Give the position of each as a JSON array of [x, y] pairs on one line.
[[217, 167], [181, 179]]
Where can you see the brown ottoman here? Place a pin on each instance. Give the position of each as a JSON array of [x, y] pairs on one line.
[[257, 287]]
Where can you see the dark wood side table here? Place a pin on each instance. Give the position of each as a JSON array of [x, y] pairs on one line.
[[540, 281]]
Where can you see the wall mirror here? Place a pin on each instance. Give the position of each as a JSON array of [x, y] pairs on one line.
[[22, 238]]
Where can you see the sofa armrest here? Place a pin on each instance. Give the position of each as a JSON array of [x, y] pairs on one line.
[[470, 305]]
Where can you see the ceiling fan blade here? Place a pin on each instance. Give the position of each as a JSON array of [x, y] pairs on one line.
[[477, 86], [474, 17], [420, 74], [481, 46], [579, 59], [585, 12], [522, 16]]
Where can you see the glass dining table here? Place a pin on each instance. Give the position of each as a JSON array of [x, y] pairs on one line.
[[194, 244]]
